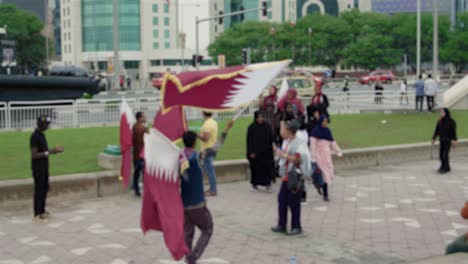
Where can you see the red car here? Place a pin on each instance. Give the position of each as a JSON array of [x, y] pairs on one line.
[[157, 79], [383, 76]]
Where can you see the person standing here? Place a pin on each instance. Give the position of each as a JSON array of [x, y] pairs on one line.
[[139, 130], [208, 136], [40, 168], [268, 106], [260, 152], [446, 131], [320, 102], [430, 89], [378, 92], [290, 158], [322, 146], [404, 92], [419, 86], [296, 103]]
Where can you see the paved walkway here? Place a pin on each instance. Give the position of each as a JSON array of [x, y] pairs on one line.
[[389, 214]]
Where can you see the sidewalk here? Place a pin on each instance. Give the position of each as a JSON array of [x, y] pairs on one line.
[[389, 214]]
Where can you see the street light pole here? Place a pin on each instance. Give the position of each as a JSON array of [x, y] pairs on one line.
[[115, 13], [46, 8], [310, 46], [435, 59], [418, 39]]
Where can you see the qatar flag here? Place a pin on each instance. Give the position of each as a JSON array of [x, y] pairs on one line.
[[127, 120], [220, 89], [171, 123], [162, 208]]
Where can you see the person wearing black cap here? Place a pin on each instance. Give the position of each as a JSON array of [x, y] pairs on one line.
[[40, 168]]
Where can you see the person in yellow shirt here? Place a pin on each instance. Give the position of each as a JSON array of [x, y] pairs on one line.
[[208, 137]]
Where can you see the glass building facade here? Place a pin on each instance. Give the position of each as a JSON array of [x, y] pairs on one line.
[[98, 29], [235, 5], [408, 6]]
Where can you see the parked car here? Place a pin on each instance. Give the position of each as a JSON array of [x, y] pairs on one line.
[[383, 76], [157, 79], [305, 86]]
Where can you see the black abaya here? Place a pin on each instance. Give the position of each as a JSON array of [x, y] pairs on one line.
[[260, 143]]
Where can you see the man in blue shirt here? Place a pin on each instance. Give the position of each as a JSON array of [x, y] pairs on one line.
[[196, 214], [419, 86]]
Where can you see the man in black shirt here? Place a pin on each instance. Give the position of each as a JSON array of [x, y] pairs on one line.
[[40, 168]]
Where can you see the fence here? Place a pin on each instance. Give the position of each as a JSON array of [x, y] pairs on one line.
[[106, 112]]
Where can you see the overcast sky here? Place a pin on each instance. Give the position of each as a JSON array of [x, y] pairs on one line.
[[188, 10]]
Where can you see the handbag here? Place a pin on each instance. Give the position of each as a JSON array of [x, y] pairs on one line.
[[317, 176], [295, 180]]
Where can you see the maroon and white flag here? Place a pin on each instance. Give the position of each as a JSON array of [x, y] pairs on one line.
[[220, 89], [162, 208], [127, 120]]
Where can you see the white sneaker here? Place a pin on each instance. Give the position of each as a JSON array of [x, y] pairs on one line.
[[253, 188], [268, 189]]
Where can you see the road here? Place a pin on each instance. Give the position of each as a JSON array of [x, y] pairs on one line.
[[379, 215]]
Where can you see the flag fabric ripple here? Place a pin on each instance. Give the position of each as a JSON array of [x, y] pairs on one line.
[[127, 120]]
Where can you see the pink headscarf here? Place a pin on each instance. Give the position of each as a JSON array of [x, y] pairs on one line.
[[291, 97]]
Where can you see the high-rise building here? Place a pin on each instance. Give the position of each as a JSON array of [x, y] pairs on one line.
[[280, 10], [147, 35], [409, 6]]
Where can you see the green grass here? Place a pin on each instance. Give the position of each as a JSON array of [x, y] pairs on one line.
[[83, 145]]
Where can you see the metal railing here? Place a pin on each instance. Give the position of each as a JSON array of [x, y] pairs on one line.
[[106, 112]]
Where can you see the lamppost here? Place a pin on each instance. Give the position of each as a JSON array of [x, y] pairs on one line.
[[435, 56], [273, 32], [293, 24], [310, 46], [182, 35]]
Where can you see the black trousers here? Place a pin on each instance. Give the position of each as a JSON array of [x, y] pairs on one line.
[[430, 103], [41, 188], [288, 199], [419, 102], [444, 150]]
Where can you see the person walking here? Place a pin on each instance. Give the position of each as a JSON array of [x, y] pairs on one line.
[[260, 152], [40, 168], [446, 131], [322, 146], [419, 86], [208, 136], [320, 102], [139, 130], [430, 90], [303, 135], [291, 158], [404, 92]]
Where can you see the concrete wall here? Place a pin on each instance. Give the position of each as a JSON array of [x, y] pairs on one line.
[[91, 185]]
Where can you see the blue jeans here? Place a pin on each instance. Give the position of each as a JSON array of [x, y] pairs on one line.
[[208, 167], [139, 167]]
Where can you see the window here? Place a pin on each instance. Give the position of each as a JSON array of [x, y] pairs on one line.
[[166, 21], [155, 45], [166, 8], [155, 8], [156, 33], [167, 45], [167, 34], [131, 64], [155, 63], [155, 21]]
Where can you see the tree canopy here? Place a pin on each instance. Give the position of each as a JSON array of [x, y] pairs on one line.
[[364, 40], [25, 28]]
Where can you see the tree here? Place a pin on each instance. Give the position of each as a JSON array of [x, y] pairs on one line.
[[371, 51], [253, 35], [455, 49], [330, 35], [25, 28]]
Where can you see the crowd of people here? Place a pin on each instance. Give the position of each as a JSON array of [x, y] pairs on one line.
[[426, 88], [289, 141]]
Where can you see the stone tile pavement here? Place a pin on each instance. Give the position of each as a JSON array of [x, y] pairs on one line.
[[388, 214]]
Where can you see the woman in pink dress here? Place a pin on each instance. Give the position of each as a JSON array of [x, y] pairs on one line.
[[322, 147]]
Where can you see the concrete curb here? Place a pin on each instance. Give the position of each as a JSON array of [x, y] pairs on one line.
[[98, 184]]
